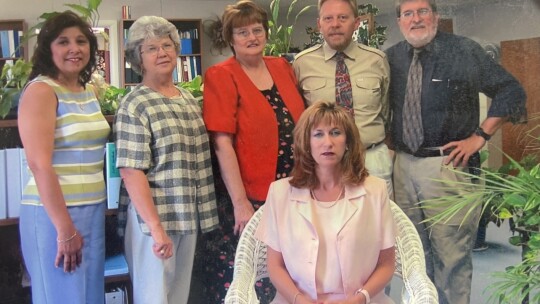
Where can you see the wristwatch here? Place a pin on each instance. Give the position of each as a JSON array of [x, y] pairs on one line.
[[480, 132]]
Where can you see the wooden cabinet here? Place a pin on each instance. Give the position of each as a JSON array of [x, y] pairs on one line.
[[188, 61]]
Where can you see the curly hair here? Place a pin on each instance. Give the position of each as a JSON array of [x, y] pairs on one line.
[[42, 60], [148, 27], [352, 164]]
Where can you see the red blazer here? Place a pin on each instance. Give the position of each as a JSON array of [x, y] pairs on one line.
[[233, 104]]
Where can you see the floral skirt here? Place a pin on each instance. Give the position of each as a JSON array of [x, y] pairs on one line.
[[214, 259]]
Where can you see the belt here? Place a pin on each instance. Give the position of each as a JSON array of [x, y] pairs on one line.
[[374, 145], [431, 152]]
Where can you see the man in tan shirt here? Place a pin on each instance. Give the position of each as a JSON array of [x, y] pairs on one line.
[[369, 72]]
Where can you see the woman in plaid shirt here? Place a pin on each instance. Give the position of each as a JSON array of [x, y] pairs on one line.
[[164, 159]]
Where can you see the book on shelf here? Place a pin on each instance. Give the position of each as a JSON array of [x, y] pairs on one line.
[[4, 40], [113, 179], [3, 185], [13, 183]]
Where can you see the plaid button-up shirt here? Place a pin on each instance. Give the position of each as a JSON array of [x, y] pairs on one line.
[[166, 138]]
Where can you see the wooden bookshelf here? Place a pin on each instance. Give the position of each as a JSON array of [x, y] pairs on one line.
[[13, 31], [189, 58]]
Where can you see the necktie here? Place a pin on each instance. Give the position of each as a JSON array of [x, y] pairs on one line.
[[343, 83], [413, 132]]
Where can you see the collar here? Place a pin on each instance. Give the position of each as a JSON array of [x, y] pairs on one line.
[[329, 53], [303, 195]]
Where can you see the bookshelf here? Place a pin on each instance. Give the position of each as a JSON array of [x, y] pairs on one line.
[[10, 252], [189, 60], [11, 44]]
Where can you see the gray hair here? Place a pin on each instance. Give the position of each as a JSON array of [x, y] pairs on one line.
[[432, 4], [148, 27]]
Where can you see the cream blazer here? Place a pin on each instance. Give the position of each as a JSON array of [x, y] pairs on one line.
[[286, 226]]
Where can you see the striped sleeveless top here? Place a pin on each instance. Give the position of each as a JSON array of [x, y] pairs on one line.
[[79, 145]]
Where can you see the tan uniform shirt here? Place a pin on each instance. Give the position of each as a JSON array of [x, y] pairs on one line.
[[368, 67]]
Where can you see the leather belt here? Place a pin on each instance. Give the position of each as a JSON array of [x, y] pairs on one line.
[[431, 152], [374, 145]]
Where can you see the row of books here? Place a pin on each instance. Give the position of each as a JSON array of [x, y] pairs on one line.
[[10, 42], [14, 175], [189, 34], [187, 68]]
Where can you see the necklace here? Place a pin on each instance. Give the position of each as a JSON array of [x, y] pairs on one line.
[[325, 205]]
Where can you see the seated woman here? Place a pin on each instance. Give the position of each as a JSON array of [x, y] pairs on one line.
[[329, 228]]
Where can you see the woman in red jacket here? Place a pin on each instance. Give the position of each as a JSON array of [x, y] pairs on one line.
[[251, 104]]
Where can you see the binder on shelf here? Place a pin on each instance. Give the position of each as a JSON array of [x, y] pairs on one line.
[[13, 182], [26, 174], [4, 40], [116, 265], [186, 46], [113, 179], [11, 40], [3, 185]]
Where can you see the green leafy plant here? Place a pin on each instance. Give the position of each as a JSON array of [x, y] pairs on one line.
[[280, 35], [511, 192], [108, 96], [12, 80], [89, 13], [195, 87], [371, 37]]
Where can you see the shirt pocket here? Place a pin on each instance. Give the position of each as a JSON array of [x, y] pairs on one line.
[[367, 92], [316, 89]]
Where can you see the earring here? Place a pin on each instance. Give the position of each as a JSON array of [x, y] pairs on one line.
[[346, 148]]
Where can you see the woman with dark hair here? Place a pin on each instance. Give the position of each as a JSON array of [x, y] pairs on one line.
[[329, 228], [64, 134], [251, 104], [163, 154]]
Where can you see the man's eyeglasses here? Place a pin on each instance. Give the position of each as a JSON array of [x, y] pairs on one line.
[[154, 49], [423, 12], [244, 34]]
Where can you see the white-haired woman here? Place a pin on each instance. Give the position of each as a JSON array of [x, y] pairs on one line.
[[164, 159]]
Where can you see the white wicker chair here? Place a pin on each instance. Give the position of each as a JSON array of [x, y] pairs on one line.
[[250, 264]]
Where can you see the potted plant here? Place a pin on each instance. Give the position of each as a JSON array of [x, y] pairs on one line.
[[280, 35], [12, 80], [512, 193]]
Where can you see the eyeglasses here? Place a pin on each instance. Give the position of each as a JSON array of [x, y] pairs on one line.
[[421, 13], [154, 49], [244, 34], [340, 18]]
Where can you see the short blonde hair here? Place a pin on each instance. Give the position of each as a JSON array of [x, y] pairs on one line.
[[352, 3]]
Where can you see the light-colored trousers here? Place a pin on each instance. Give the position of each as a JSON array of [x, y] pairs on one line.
[[379, 164], [155, 280], [447, 247], [39, 247]]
